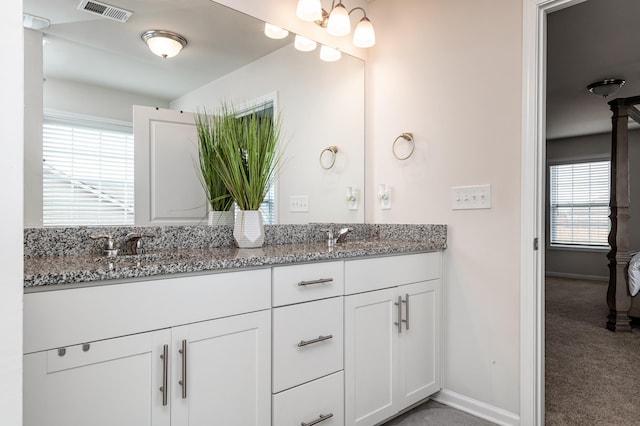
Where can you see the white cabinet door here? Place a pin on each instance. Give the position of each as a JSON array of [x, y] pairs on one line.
[[389, 367], [227, 367], [109, 382], [419, 342], [371, 375]]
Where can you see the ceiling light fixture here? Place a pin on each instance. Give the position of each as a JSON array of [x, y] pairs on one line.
[[337, 21], [165, 44], [606, 87], [274, 32]]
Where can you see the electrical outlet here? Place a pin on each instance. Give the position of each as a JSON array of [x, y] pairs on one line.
[[471, 197], [299, 203]]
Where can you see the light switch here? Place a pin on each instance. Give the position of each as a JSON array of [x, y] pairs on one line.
[[299, 203], [471, 197]]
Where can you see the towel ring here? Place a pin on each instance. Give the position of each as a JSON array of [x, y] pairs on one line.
[[333, 150], [407, 136]]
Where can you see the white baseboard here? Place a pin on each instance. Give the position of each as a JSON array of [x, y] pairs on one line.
[[477, 408], [576, 276]]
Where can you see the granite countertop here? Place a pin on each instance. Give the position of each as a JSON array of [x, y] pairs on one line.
[[43, 271]]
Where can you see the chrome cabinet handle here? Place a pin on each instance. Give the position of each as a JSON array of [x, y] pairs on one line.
[[183, 382], [318, 281], [165, 373], [399, 322], [321, 418], [406, 302], [318, 339]]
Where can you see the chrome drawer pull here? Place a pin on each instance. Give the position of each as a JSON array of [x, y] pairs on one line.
[[322, 418], [183, 382], [319, 339], [406, 322], [165, 373], [320, 281], [399, 322]]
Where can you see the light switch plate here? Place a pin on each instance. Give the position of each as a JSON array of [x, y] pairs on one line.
[[471, 197], [299, 203]]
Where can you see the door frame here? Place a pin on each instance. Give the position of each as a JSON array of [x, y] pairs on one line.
[[534, 47]]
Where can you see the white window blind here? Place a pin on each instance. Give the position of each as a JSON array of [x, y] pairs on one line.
[[580, 203], [87, 173]]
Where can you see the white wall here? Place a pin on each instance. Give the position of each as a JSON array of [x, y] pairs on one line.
[[11, 135], [79, 98], [450, 72], [33, 127], [321, 105]]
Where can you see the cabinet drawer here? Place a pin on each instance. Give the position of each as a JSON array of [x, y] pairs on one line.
[[306, 403], [307, 342], [302, 283], [373, 274]]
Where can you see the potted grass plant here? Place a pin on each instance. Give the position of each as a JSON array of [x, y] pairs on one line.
[[218, 197], [248, 159]]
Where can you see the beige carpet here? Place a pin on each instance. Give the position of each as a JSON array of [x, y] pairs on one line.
[[592, 375]]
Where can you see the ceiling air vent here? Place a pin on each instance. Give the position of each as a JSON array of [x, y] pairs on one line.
[[105, 10]]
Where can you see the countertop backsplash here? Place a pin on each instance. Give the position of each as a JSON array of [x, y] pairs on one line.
[[69, 241]]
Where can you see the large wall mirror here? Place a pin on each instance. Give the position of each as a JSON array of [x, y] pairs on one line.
[[83, 67]]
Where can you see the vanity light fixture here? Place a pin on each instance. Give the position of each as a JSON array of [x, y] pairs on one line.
[[274, 32], [304, 44], [165, 44], [329, 54], [606, 87], [337, 21]]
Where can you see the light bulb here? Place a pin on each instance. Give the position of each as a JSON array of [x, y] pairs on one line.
[[329, 54], [274, 32], [309, 10], [339, 23], [364, 35], [304, 44]]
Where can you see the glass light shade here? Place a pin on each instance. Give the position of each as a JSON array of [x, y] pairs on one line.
[[364, 35], [339, 23], [274, 32], [309, 10], [304, 44], [165, 44], [329, 54]]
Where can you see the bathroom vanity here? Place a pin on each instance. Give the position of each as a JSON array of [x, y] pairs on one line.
[[291, 334]]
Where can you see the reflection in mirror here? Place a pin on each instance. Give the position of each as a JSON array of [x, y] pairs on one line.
[[97, 68]]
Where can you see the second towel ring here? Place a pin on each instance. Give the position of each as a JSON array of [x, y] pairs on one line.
[[407, 136], [332, 150]]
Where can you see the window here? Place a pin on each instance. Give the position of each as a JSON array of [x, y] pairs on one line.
[[87, 172], [580, 204]]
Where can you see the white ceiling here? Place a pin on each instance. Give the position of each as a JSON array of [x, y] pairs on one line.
[[85, 47], [591, 41]]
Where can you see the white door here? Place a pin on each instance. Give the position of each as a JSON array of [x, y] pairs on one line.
[[371, 375], [167, 184], [227, 367], [109, 382], [419, 342]]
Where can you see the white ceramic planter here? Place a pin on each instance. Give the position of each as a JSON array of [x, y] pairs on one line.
[[248, 229]]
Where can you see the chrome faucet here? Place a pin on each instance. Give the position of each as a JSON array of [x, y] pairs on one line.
[[133, 243], [342, 234], [108, 249]]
